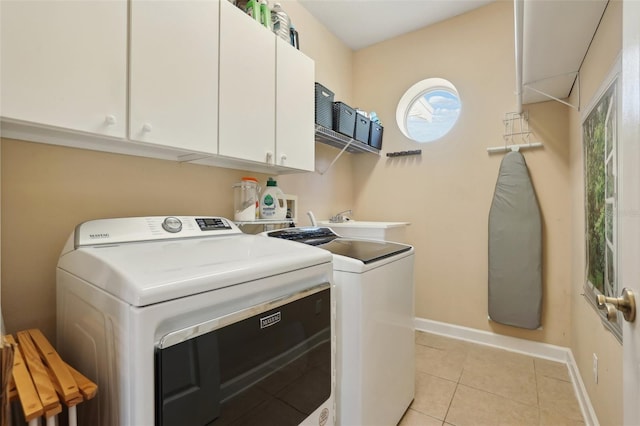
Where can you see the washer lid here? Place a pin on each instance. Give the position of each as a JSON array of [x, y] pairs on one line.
[[143, 273], [366, 251]]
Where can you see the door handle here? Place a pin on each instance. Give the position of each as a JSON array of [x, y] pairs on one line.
[[625, 304]]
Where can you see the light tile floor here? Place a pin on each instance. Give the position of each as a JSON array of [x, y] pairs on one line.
[[461, 383]]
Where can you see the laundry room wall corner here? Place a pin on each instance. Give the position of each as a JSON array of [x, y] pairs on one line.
[[446, 195]]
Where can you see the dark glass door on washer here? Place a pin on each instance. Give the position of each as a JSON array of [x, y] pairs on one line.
[[273, 368]]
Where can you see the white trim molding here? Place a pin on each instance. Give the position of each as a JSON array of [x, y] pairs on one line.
[[513, 344]]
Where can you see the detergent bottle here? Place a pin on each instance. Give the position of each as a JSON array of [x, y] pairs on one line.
[[272, 202], [280, 22], [265, 14], [253, 9]]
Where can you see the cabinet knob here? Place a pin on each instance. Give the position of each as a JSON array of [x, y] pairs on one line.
[[283, 158], [146, 127], [110, 120]]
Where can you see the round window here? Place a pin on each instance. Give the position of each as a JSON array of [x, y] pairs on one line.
[[428, 110]]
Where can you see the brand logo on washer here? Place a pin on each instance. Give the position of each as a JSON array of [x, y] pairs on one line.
[[99, 235], [270, 320]]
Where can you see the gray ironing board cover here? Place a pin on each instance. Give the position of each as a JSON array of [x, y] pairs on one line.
[[515, 247]]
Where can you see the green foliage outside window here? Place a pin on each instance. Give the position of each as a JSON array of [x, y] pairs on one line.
[[595, 146]]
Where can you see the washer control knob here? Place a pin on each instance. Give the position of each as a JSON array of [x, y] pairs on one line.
[[172, 224]]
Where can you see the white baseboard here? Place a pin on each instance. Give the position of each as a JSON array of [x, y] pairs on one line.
[[513, 344], [588, 412]]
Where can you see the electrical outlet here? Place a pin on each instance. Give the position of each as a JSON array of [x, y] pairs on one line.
[[595, 368]]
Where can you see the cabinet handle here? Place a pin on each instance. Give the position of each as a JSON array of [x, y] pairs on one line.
[[110, 120], [283, 158], [269, 157], [146, 127]]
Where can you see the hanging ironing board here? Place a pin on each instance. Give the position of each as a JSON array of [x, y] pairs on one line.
[[515, 247]]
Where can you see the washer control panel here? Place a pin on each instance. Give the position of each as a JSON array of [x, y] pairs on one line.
[[136, 229], [213, 224]]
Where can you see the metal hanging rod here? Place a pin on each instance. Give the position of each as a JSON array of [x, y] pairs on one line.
[[518, 147]]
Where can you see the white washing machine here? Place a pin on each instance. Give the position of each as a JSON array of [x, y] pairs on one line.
[[374, 324], [188, 321]]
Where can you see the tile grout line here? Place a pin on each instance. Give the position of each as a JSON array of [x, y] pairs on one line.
[[450, 402], [498, 395], [535, 379], [536, 405], [455, 390]]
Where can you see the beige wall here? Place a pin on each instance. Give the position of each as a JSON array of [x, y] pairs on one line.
[[334, 61], [446, 193], [47, 190], [588, 334], [323, 194]]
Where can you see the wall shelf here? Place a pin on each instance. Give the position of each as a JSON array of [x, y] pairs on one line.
[[338, 140], [266, 224], [263, 222]]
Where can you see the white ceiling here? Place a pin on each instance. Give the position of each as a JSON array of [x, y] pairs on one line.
[[361, 23], [557, 33]]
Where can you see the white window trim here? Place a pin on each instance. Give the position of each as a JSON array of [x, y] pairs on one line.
[[414, 93], [590, 293]]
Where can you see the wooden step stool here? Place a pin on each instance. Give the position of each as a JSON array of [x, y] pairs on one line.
[[42, 381]]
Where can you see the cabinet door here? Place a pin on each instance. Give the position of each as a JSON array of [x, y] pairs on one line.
[[64, 64], [247, 87], [174, 73], [295, 130]]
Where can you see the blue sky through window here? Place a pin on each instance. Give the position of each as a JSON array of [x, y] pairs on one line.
[[432, 115]]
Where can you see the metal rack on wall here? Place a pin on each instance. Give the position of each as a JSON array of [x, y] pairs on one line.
[[516, 126], [338, 140]]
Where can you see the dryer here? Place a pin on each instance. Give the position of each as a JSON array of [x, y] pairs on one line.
[[374, 324], [186, 320]]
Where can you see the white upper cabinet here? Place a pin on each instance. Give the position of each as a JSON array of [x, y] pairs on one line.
[[187, 80], [247, 87], [63, 64], [174, 73], [295, 107]]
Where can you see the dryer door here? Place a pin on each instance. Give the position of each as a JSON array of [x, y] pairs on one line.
[[268, 364]]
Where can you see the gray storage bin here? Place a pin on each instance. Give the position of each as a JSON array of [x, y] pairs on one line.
[[344, 119], [363, 125], [375, 135], [324, 105]]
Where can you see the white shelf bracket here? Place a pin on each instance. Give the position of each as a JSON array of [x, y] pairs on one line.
[[528, 86], [344, 148]]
